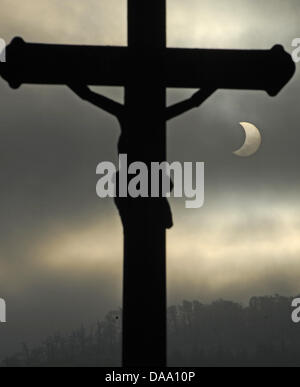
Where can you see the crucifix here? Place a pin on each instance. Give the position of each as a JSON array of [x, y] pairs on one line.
[[146, 68]]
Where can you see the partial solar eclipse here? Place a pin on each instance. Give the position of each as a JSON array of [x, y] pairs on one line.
[[252, 140]]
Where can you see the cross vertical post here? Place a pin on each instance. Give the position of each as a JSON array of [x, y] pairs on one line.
[[144, 281]]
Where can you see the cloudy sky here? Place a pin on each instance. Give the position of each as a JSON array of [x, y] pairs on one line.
[[61, 246]]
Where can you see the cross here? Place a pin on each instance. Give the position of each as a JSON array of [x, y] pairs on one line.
[[146, 68]]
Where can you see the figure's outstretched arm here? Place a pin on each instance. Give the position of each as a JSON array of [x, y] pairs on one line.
[[195, 101], [99, 100]]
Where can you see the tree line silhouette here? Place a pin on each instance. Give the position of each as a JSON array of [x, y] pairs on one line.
[[222, 333]]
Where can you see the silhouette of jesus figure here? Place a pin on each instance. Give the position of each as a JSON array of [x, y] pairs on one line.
[[160, 205]]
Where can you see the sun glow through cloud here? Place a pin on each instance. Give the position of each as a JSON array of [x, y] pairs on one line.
[[225, 251]]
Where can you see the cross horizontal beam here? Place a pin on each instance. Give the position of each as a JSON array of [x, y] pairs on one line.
[[268, 70]]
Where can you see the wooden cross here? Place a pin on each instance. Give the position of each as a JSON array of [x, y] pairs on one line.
[[146, 68]]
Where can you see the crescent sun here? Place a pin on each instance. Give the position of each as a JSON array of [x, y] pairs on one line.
[[252, 140]]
